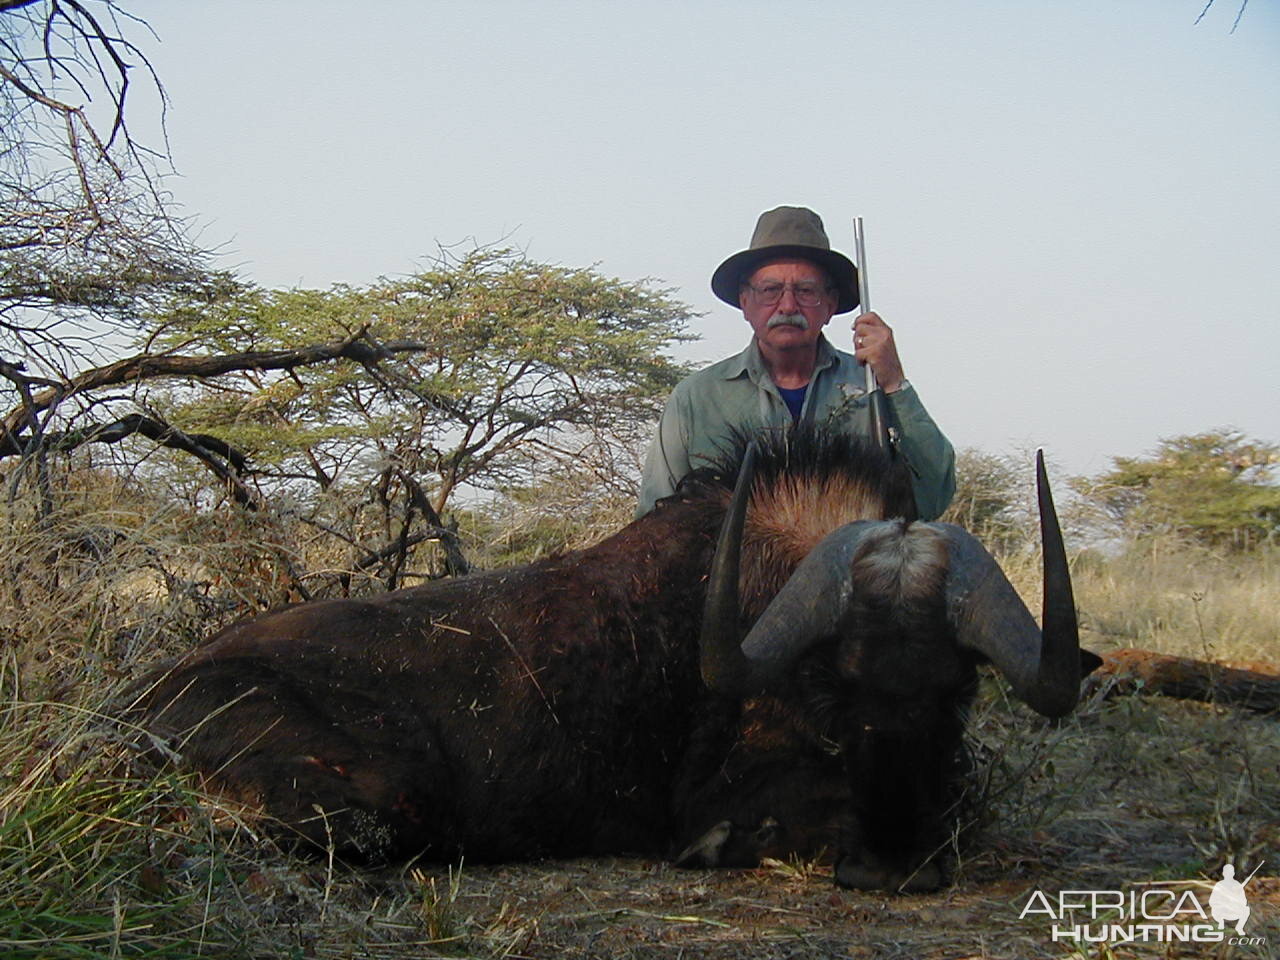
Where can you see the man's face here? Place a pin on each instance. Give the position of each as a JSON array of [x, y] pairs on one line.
[[787, 324]]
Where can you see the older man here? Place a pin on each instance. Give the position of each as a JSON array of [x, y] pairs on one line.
[[789, 284]]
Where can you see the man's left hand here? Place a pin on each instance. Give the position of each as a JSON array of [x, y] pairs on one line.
[[873, 344]]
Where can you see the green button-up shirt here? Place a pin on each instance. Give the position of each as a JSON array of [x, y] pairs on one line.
[[704, 411]]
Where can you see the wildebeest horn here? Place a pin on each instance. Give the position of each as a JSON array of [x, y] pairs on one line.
[[1044, 667], [724, 668]]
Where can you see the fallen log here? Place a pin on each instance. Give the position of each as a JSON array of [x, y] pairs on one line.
[[1143, 671]]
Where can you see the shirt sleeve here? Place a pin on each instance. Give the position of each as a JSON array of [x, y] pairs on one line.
[[668, 458], [929, 454]]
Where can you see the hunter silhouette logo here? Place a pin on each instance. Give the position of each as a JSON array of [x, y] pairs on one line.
[[1227, 901], [1165, 911]]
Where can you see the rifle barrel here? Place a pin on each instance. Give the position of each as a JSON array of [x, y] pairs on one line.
[[864, 292]]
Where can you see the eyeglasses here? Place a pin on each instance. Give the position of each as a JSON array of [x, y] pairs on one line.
[[806, 294]]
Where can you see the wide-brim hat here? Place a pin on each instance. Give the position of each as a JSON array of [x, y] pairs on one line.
[[788, 232]]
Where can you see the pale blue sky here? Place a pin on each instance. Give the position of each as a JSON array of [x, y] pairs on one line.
[[1071, 207]]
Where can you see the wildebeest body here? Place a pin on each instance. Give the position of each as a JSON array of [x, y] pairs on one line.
[[535, 711], [583, 704]]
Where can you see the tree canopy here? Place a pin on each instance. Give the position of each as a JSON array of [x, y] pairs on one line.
[[1213, 488], [496, 366]]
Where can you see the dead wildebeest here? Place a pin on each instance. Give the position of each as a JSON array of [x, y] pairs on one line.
[[560, 708]]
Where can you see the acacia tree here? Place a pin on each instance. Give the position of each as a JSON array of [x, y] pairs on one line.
[[1213, 488], [487, 372]]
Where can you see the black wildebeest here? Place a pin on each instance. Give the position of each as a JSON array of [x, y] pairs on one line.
[[561, 709]]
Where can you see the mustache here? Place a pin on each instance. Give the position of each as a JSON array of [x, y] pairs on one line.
[[788, 320]]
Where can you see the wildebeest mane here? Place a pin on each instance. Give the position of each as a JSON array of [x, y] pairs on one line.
[[809, 480]]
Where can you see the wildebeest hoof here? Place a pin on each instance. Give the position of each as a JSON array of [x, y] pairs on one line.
[[705, 851], [925, 878], [860, 876], [867, 873]]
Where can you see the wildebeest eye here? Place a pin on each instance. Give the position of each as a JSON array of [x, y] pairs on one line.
[[849, 660]]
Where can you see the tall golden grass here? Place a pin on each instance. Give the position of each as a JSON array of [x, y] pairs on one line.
[[1185, 600]]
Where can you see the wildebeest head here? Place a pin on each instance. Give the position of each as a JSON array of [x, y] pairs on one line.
[[901, 565]]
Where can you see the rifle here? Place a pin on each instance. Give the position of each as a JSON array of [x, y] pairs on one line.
[[884, 433]]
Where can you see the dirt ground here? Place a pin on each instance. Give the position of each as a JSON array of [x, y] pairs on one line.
[[621, 908], [1128, 794], [634, 909]]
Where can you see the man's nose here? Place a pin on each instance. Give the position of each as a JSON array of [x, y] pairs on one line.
[[788, 304]]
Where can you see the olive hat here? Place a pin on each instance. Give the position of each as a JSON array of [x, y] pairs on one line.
[[788, 232]]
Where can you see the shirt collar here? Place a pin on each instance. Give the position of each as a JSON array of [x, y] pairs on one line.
[[750, 362]]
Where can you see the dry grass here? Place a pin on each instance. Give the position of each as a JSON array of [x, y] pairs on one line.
[[1187, 601], [101, 856]]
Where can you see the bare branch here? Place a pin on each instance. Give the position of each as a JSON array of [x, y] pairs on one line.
[[359, 348], [455, 563], [1239, 13], [225, 462], [89, 236]]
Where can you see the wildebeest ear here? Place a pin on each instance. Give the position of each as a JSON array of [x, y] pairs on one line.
[[1089, 662]]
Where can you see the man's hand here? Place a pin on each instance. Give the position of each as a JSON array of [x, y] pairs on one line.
[[873, 344]]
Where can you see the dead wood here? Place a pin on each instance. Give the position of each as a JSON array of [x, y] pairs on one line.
[[1144, 671]]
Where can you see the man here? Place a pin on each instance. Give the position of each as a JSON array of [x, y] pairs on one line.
[[789, 283]]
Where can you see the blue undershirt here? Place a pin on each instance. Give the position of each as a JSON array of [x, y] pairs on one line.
[[794, 399]]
